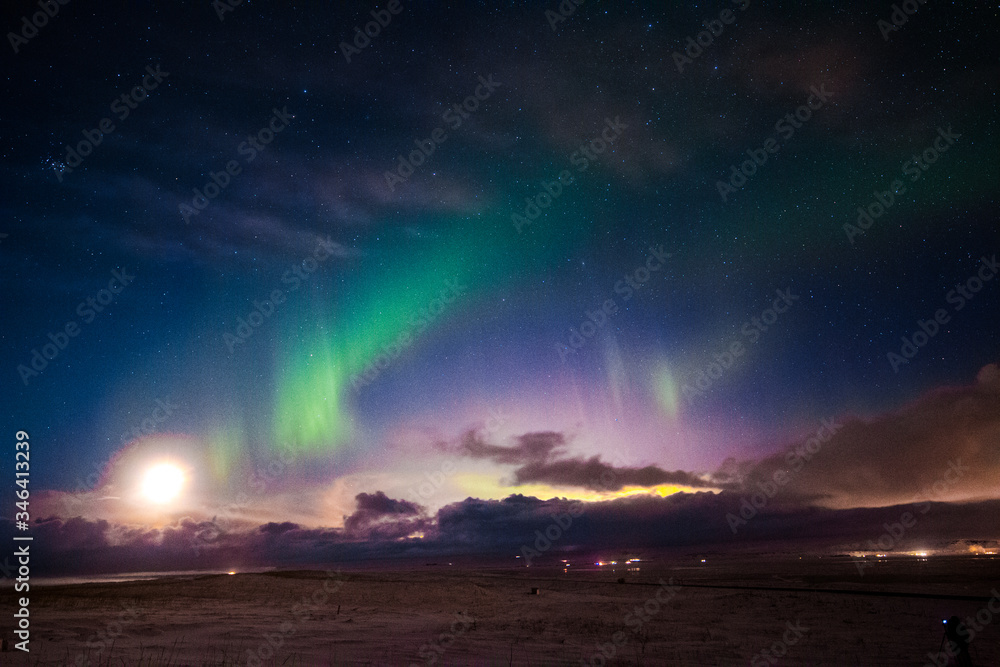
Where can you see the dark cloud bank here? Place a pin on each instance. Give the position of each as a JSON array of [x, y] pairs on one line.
[[937, 458], [496, 530]]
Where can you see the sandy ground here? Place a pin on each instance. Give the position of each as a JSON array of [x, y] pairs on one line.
[[448, 616]]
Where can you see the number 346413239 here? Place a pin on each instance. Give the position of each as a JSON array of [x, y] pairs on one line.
[[21, 466]]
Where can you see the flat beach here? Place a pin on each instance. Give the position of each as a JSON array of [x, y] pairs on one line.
[[812, 611]]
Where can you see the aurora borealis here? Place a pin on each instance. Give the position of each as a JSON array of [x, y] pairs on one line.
[[492, 252]]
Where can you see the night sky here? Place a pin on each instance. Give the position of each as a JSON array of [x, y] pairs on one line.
[[413, 292]]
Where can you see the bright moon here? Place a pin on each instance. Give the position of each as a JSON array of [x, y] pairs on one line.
[[162, 482]]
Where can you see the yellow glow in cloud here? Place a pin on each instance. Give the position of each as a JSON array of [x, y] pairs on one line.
[[488, 487], [663, 490]]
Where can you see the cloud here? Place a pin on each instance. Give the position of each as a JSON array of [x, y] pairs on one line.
[[989, 377], [530, 447], [539, 460], [596, 475], [379, 504], [278, 528], [382, 517], [867, 474], [84, 546], [497, 529], [376, 506], [900, 455], [888, 459]]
